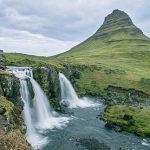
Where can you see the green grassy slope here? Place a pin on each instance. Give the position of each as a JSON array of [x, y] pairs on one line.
[[118, 47], [129, 119]]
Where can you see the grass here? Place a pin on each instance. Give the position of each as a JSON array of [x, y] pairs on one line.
[[133, 120], [9, 106], [12, 114], [120, 47], [13, 141], [18, 59], [127, 57]]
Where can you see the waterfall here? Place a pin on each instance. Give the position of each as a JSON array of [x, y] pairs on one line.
[[27, 112], [40, 116], [32, 136], [69, 96], [42, 107], [46, 118]]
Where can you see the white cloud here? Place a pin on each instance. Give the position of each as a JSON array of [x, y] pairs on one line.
[[61, 21], [34, 44]]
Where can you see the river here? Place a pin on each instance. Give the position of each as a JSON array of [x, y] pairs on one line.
[[86, 125]]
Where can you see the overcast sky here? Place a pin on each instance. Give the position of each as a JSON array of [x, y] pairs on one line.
[[48, 27]]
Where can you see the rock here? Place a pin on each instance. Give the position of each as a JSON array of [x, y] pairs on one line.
[[2, 61], [10, 88], [2, 110], [10, 116], [48, 79], [93, 144], [126, 96]]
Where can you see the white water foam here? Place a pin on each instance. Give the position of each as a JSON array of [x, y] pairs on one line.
[[46, 117], [144, 142], [69, 96]]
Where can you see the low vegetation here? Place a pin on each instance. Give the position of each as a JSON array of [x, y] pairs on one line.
[[13, 141], [130, 119], [10, 116]]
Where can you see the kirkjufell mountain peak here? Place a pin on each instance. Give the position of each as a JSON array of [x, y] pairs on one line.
[[117, 22], [117, 32]]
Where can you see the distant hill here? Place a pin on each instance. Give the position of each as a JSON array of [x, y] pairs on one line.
[[116, 33]]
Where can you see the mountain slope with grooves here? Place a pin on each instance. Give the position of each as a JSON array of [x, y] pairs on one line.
[[120, 49]]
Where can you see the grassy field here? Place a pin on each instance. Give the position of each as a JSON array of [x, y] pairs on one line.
[[127, 61], [129, 119]]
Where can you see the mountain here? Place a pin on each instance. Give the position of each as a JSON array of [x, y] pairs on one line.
[[117, 32], [118, 22], [114, 64], [120, 49]]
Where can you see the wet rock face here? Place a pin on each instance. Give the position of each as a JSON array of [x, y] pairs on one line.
[[73, 72], [10, 116], [127, 96], [10, 88], [2, 61], [93, 144], [2, 110], [48, 79]]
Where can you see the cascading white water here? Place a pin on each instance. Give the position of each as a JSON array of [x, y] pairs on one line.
[[42, 107], [69, 96], [36, 140], [27, 112], [40, 116], [46, 117], [68, 93]]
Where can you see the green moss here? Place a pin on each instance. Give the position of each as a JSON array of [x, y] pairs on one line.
[[12, 114], [129, 119], [6, 104]]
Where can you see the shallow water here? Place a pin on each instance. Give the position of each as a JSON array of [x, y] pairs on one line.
[[84, 124]]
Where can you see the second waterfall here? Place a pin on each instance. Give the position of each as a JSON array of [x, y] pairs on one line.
[[69, 96]]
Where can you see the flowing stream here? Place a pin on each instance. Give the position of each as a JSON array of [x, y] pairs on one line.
[[47, 130]]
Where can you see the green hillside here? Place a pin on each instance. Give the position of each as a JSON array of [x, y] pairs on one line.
[[113, 64], [120, 48]]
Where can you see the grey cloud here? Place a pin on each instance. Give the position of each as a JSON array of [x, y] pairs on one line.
[[67, 20], [29, 43]]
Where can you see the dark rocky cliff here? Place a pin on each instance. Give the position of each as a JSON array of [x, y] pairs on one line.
[[10, 88], [48, 79], [2, 61], [11, 105]]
